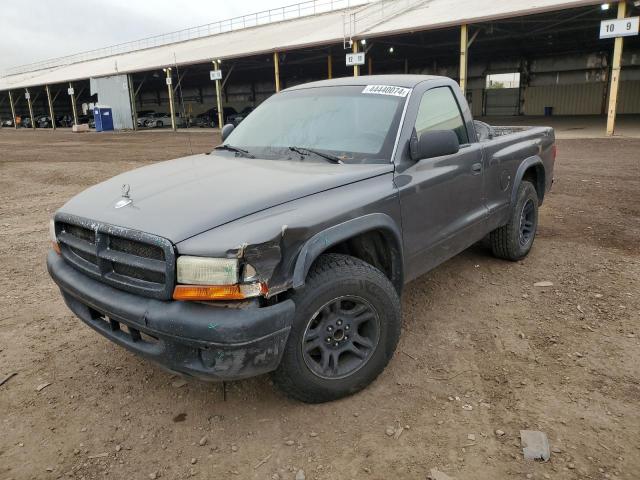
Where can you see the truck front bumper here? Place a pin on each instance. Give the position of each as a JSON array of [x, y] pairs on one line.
[[195, 339]]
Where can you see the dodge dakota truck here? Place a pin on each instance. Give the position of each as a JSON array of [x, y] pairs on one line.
[[286, 248]]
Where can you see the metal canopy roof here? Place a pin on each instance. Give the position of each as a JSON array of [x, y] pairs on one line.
[[328, 28]]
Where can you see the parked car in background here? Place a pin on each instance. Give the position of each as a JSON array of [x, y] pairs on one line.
[[210, 117], [64, 121], [43, 121], [7, 123], [159, 120], [37, 119], [238, 117], [143, 116]]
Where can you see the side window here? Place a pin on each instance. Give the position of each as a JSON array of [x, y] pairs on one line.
[[439, 111]]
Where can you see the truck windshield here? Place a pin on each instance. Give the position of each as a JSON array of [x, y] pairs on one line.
[[343, 121]]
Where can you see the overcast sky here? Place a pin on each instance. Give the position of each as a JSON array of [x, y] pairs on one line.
[[35, 30]]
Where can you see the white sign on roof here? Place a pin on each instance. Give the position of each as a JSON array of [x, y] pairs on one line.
[[623, 27], [355, 59]]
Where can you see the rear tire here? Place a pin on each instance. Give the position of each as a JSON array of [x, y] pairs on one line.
[[514, 240], [345, 330]]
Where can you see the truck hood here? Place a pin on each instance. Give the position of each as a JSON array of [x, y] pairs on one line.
[[181, 198]]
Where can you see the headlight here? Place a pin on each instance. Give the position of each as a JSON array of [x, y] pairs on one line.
[[207, 271], [52, 235], [203, 278]]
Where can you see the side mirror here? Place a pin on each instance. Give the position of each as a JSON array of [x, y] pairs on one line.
[[434, 143], [226, 131]]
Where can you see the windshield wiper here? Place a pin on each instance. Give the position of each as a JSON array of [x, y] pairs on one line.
[[231, 148], [307, 151]]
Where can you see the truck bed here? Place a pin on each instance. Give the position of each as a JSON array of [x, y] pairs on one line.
[[487, 132]]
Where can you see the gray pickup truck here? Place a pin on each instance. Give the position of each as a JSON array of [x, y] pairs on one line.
[[286, 249]]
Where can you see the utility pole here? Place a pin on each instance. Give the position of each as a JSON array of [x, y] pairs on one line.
[[170, 89], [615, 74], [28, 97], [356, 68], [13, 110], [51, 114], [216, 66], [72, 94], [132, 101], [276, 67], [464, 58]]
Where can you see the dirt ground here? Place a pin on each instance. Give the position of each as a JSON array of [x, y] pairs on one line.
[[482, 349]]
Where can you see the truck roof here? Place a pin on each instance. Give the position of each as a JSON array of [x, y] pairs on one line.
[[406, 81]]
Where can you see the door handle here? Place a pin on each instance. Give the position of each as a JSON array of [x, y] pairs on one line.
[[476, 168]]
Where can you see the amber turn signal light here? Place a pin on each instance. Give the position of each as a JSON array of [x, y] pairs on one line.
[[52, 236], [218, 292]]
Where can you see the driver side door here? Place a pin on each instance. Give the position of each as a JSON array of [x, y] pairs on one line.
[[441, 198]]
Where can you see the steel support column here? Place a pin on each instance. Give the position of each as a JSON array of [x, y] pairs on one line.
[[464, 48], [356, 68], [132, 101], [276, 70], [51, 114], [171, 105], [73, 104], [329, 67], [13, 110], [217, 66], [28, 95], [616, 70]]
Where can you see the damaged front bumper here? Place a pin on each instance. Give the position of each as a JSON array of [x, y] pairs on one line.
[[196, 339]]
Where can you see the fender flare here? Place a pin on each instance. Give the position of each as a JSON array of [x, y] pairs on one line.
[[325, 239], [534, 161]]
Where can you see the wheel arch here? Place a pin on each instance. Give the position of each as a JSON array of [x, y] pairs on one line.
[[532, 170], [374, 238]]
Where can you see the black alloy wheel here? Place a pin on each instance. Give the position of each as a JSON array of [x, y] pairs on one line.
[[527, 222], [341, 337]]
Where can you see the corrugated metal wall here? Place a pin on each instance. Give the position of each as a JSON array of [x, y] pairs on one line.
[[580, 99], [114, 92], [577, 99], [476, 101], [502, 101], [571, 84], [629, 97]]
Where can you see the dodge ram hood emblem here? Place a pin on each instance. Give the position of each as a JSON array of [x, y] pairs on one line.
[[125, 200]]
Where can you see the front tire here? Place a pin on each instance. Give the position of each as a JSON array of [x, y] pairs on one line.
[[345, 330], [514, 240]]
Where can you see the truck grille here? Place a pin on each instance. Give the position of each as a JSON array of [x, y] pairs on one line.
[[129, 260]]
